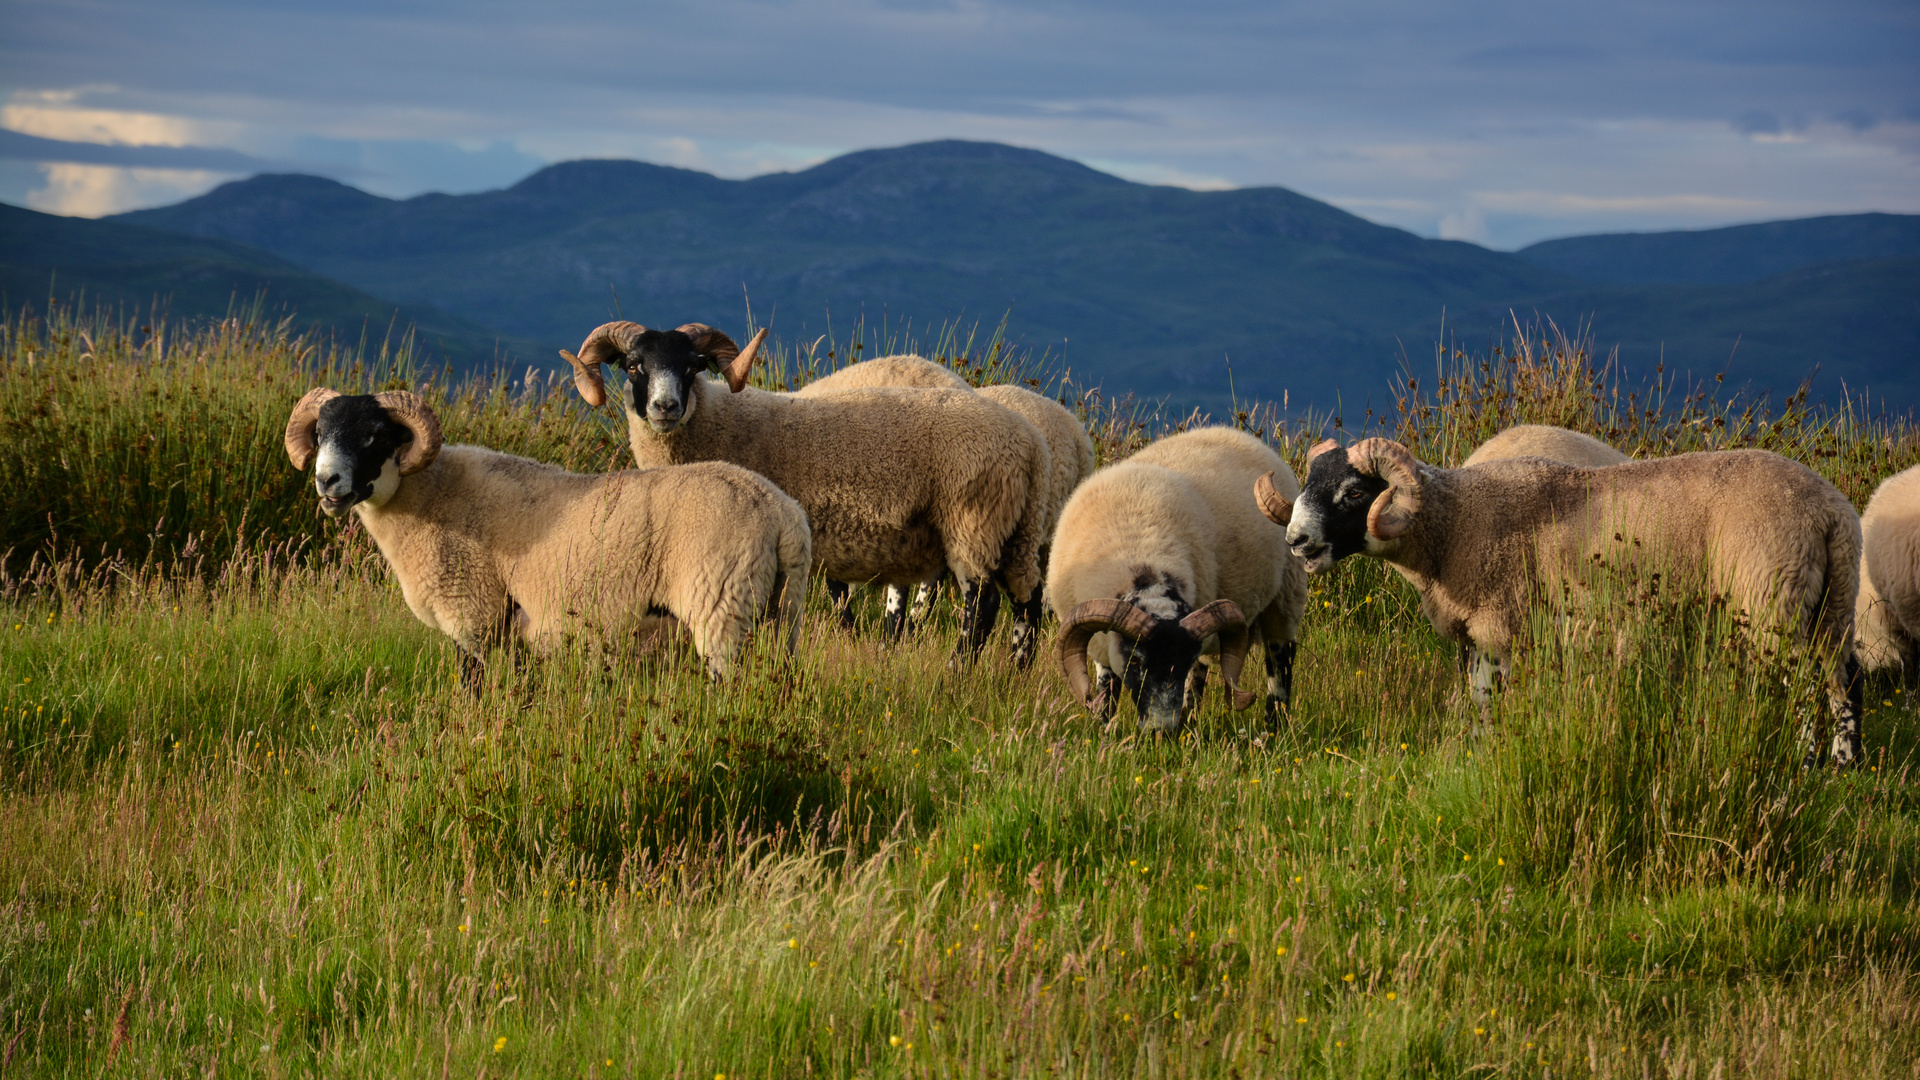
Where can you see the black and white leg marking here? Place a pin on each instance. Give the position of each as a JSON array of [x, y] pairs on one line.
[[1279, 661], [840, 595]]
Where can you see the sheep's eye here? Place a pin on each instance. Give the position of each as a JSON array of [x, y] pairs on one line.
[[368, 441]]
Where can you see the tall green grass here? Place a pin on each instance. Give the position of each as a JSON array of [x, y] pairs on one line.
[[250, 824]]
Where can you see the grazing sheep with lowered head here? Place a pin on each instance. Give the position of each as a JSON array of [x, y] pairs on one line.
[[1887, 617], [489, 547], [1160, 556], [899, 485], [1545, 441], [1482, 544]]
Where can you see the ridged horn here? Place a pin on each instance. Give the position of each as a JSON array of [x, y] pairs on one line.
[[1273, 504], [1319, 448], [1096, 617], [607, 343], [733, 362], [301, 446], [408, 410], [1225, 619], [1393, 510]]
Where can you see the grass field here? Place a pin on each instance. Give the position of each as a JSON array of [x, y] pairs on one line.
[[251, 825]]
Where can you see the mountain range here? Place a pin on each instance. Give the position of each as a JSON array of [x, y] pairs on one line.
[[1163, 291]]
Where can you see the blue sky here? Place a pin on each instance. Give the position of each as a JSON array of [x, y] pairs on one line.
[[1497, 122]]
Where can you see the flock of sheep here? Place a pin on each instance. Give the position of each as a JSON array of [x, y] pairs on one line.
[[1160, 568]]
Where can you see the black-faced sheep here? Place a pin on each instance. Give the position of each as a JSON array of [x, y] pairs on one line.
[[1887, 617], [1482, 544], [1545, 441], [1158, 555], [899, 485], [489, 547]]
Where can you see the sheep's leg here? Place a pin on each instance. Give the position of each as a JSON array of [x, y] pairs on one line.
[[1810, 731], [924, 596], [1026, 630], [1279, 659], [1848, 706], [473, 671], [1489, 675], [980, 608], [840, 595], [894, 624]]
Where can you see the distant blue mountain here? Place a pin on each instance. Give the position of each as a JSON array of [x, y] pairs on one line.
[[1152, 289], [1735, 255], [135, 269]]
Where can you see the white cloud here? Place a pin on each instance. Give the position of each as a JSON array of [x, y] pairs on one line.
[[98, 190], [58, 114], [1469, 224]]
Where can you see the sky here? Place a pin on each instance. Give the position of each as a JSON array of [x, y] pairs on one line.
[[1497, 122]]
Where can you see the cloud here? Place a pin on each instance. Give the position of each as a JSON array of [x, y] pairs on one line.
[[1399, 109], [95, 190], [18, 147]]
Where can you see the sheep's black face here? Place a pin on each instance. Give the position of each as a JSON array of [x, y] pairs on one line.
[[357, 445], [1329, 519], [1157, 663], [660, 371], [1156, 675]]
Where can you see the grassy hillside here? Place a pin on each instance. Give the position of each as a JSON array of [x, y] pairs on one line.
[[1729, 256], [143, 270], [1154, 290], [251, 825]]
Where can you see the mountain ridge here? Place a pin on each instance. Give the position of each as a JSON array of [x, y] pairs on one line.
[[1150, 288]]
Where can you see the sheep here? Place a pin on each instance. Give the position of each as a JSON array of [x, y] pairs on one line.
[[901, 371], [1481, 544], [489, 547], [1887, 614], [879, 472], [1544, 441], [1068, 445], [1158, 554]]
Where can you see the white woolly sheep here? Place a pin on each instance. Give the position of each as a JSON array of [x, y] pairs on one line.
[[889, 498], [489, 547], [1482, 544], [1068, 446], [1546, 441], [1887, 616], [1162, 552]]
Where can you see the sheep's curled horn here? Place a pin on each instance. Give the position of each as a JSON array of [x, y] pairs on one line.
[[1222, 617], [609, 341], [1393, 509], [1276, 506], [405, 409]]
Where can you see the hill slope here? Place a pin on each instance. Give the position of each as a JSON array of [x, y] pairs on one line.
[[132, 267], [1730, 256], [1140, 287]]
